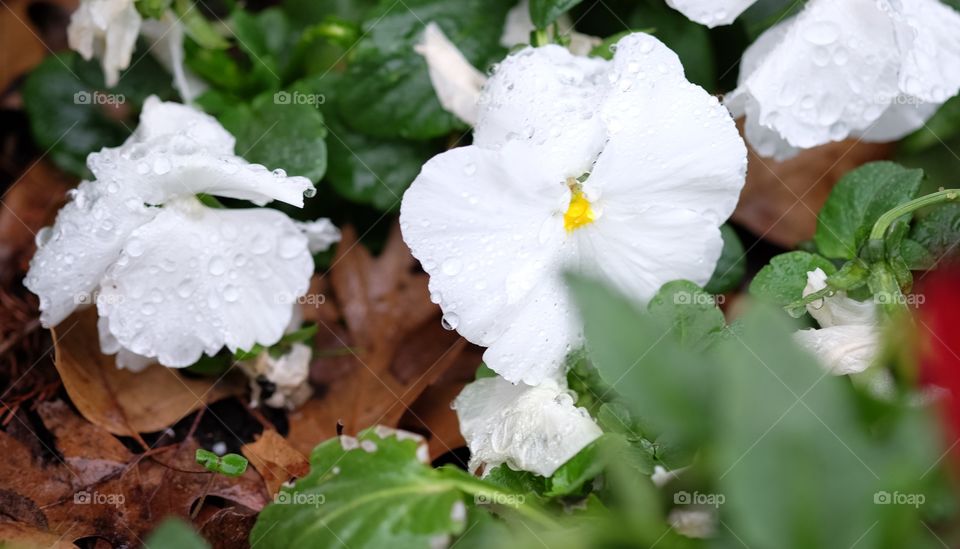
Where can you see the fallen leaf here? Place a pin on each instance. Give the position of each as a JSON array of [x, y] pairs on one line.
[[89, 450], [120, 401], [380, 333], [276, 460], [15, 534], [781, 200], [229, 528]]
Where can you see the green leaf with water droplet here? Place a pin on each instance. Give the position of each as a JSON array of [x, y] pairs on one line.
[[782, 281]]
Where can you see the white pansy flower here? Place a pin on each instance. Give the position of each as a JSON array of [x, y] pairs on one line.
[[848, 339], [621, 170], [876, 70], [711, 13], [288, 375], [166, 35], [456, 82], [107, 29], [172, 278], [534, 429]]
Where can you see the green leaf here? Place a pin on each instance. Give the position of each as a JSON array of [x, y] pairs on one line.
[[688, 312], [310, 12], [545, 12], [386, 91], [516, 481], [370, 170], [934, 238], [197, 27], [371, 491], [231, 465], [569, 479], [280, 133], [72, 112], [782, 281], [944, 126], [152, 9], [175, 533], [856, 203], [628, 346], [732, 265]]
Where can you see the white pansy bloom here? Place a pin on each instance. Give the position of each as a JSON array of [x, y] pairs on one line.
[[172, 278], [107, 29], [621, 170], [166, 34], [288, 375], [876, 70], [456, 82], [529, 428], [711, 13], [321, 234], [848, 339]]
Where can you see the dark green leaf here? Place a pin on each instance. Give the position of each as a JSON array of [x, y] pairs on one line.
[[545, 12], [175, 533], [783, 280], [688, 312], [197, 27], [856, 203], [934, 238], [732, 265], [386, 90], [280, 132]]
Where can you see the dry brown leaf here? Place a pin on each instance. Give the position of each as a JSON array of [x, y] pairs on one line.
[[89, 451], [120, 401], [380, 343], [15, 534], [21, 44], [276, 460], [781, 200]]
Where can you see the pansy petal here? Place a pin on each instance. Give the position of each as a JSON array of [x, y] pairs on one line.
[[546, 97], [831, 72], [456, 82], [320, 233], [167, 36], [639, 251], [670, 142], [711, 12], [196, 279], [930, 39], [534, 429], [83, 242], [124, 358], [842, 350], [180, 151], [485, 226], [119, 42], [838, 309]]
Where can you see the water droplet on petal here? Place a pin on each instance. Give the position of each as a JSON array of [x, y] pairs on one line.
[[450, 321]]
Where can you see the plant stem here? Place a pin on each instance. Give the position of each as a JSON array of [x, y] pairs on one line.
[[883, 223]]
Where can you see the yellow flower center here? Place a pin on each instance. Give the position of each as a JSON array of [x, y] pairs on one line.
[[580, 212]]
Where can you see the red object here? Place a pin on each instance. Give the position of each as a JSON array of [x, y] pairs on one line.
[[938, 331]]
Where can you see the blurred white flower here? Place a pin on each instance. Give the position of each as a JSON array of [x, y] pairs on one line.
[[711, 13], [848, 339], [876, 70], [172, 278], [456, 82], [530, 428], [621, 170], [107, 29], [166, 36], [287, 375]]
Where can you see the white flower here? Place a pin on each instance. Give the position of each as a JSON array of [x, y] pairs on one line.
[[456, 82], [534, 429], [166, 35], [711, 12], [172, 278], [107, 29], [621, 170], [848, 339], [872, 69], [289, 374]]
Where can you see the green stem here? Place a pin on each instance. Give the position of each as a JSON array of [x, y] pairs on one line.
[[532, 512], [883, 224], [539, 37]]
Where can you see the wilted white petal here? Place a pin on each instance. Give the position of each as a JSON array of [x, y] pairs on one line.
[[108, 29], [711, 12], [838, 309], [456, 82], [320, 233], [196, 279], [530, 428], [289, 373], [167, 37], [842, 350]]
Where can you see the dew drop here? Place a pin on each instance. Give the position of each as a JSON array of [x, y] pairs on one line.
[[231, 294], [217, 266], [161, 166], [450, 321], [451, 267]]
